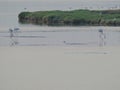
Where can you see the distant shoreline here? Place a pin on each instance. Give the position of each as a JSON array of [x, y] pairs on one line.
[[74, 17]]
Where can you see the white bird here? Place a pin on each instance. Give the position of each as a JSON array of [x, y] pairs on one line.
[[11, 32]]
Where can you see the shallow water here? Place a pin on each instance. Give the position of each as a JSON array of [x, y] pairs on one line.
[[62, 36], [10, 9], [67, 58], [33, 35]]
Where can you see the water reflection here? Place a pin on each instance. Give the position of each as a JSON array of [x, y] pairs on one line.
[[14, 41], [98, 37], [74, 43]]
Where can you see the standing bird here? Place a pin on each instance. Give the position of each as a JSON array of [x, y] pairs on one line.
[[102, 37], [11, 33], [13, 36]]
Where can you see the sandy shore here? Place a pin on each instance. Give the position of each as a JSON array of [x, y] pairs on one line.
[[59, 68]]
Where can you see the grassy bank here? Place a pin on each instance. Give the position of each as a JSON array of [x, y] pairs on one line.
[[74, 17]]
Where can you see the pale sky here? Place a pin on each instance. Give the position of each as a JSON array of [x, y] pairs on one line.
[[62, 0]]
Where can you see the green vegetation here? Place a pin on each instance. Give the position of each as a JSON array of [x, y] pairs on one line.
[[74, 17]]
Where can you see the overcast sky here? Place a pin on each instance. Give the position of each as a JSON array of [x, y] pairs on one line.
[[61, 0], [59, 4]]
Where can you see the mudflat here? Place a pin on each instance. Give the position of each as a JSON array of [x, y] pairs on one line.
[[59, 68]]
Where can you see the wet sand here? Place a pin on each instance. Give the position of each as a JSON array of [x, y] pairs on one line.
[[59, 68]]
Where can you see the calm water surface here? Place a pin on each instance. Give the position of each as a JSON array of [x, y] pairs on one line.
[[62, 36], [9, 10], [32, 35], [57, 68]]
